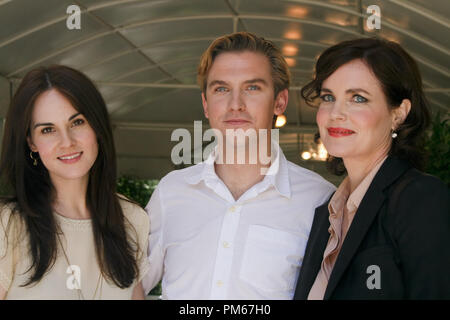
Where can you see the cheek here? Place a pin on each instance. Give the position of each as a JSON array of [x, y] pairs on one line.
[[89, 141], [322, 117], [214, 107], [45, 146], [369, 121], [363, 118]]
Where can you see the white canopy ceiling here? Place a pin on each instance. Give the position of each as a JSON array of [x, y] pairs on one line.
[[143, 56]]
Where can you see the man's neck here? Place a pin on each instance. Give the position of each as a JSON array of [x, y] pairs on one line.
[[239, 177]]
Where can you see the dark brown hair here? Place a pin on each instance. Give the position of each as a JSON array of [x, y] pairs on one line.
[[399, 78], [31, 189], [245, 41]]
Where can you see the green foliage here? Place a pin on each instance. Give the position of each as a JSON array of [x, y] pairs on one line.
[[438, 148], [136, 189], [140, 191]]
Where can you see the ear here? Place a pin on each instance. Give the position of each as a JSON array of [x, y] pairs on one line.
[[205, 105], [281, 102], [31, 145], [399, 114]]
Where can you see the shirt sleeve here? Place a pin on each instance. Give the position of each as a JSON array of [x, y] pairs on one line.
[[7, 245], [422, 233], [144, 227], [154, 209]]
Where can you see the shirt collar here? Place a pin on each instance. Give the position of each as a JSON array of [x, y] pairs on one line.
[[342, 196], [276, 175], [339, 198], [357, 195]]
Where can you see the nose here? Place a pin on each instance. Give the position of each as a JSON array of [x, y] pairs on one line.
[[339, 110], [237, 102], [66, 139]]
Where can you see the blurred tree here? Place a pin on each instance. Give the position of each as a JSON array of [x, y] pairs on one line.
[[438, 148], [136, 189]]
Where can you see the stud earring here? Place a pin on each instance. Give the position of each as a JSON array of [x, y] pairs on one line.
[[394, 135]]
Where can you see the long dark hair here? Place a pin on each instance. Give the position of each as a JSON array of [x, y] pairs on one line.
[[400, 79], [31, 189]]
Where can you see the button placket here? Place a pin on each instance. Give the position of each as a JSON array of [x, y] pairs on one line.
[[224, 258]]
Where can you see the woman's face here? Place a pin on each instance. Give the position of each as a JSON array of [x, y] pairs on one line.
[[66, 143], [353, 118]]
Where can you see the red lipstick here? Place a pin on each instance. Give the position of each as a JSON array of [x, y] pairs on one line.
[[339, 132]]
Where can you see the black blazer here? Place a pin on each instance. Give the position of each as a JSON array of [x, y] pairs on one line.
[[402, 226]]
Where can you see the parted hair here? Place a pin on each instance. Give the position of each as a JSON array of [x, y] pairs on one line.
[[240, 42], [31, 190], [399, 77]]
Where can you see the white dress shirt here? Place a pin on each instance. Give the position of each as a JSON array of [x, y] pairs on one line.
[[207, 245]]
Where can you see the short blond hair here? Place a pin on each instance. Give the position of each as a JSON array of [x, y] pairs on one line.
[[245, 41]]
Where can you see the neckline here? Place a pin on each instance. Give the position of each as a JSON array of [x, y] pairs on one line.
[[77, 223]]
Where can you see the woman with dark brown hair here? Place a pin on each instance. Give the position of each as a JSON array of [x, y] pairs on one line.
[[65, 233], [385, 232]]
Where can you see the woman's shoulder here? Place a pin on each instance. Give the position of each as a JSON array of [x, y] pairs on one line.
[[133, 211], [9, 213], [417, 183], [136, 220], [418, 196], [11, 225]]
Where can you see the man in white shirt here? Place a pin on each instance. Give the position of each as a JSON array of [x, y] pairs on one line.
[[225, 230]]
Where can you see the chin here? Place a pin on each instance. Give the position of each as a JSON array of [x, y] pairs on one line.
[[338, 152], [70, 174]]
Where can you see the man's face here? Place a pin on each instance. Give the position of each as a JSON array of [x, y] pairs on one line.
[[240, 93]]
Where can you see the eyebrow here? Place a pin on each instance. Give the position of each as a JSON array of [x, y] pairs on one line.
[[51, 124], [352, 90], [256, 81], [221, 82], [216, 82]]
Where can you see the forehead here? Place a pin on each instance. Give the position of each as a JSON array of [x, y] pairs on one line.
[[51, 105], [354, 74], [240, 66]]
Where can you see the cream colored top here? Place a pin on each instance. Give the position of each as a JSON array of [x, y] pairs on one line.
[[342, 208], [78, 242]]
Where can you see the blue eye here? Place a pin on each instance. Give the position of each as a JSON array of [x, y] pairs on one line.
[[253, 87], [359, 99], [327, 98], [221, 89]]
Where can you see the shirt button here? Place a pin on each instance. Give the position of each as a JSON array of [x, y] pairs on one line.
[[226, 244], [233, 209], [219, 283]]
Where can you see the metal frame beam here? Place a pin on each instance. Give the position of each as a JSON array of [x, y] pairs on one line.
[[260, 17], [235, 14]]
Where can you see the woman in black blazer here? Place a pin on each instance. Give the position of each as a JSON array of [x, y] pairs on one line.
[[385, 233]]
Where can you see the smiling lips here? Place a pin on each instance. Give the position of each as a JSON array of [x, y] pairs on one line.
[[70, 158], [339, 132]]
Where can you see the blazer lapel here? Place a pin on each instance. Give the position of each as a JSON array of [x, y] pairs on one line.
[[312, 260], [364, 216]]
